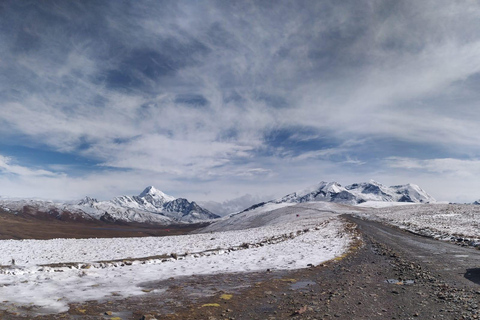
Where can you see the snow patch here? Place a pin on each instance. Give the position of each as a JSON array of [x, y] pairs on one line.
[[290, 239]]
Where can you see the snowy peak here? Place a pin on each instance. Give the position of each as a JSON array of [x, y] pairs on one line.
[[412, 193], [372, 191], [324, 191], [152, 194], [334, 187], [312, 189]]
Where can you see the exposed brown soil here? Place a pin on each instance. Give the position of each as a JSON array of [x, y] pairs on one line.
[[46, 226]]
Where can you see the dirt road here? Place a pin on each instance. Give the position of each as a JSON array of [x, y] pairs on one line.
[[456, 264]]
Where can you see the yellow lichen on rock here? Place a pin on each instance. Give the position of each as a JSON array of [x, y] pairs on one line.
[[210, 305]]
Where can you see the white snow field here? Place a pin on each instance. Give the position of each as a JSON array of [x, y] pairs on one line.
[[286, 238], [441, 221]]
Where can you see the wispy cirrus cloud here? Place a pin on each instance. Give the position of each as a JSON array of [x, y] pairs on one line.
[[227, 91], [444, 166], [7, 166]]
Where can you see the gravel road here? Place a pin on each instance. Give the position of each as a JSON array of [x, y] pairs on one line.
[[458, 265]]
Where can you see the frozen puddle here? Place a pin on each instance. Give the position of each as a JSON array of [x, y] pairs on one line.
[[400, 282], [302, 284], [75, 275]]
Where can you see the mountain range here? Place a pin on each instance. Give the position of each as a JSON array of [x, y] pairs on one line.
[[354, 194], [150, 206], [154, 206]]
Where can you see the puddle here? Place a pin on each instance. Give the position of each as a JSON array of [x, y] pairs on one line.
[[114, 315], [200, 286], [400, 282], [267, 309], [301, 284]]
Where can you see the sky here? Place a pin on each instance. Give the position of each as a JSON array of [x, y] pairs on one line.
[[213, 100]]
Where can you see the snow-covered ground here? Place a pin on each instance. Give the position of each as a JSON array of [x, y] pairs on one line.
[[441, 221], [383, 204], [287, 238]]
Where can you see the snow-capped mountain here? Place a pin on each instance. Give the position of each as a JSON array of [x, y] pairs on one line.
[[324, 191], [355, 194], [152, 205], [374, 191]]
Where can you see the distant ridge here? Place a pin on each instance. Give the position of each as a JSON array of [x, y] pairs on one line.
[[354, 194]]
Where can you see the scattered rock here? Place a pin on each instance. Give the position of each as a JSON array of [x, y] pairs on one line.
[[300, 311]]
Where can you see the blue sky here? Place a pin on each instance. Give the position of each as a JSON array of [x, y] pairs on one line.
[[211, 100]]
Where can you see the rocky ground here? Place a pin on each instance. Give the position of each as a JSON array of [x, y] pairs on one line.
[[375, 281]]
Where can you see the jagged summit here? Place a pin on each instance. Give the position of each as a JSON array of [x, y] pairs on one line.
[[87, 201], [413, 193]]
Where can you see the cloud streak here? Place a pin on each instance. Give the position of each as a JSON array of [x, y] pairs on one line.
[[7, 167], [228, 92]]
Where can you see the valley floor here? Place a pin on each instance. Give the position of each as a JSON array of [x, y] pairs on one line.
[[32, 227], [381, 279], [294, 265]]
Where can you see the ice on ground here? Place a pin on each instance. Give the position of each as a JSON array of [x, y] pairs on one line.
[[298, 236]]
